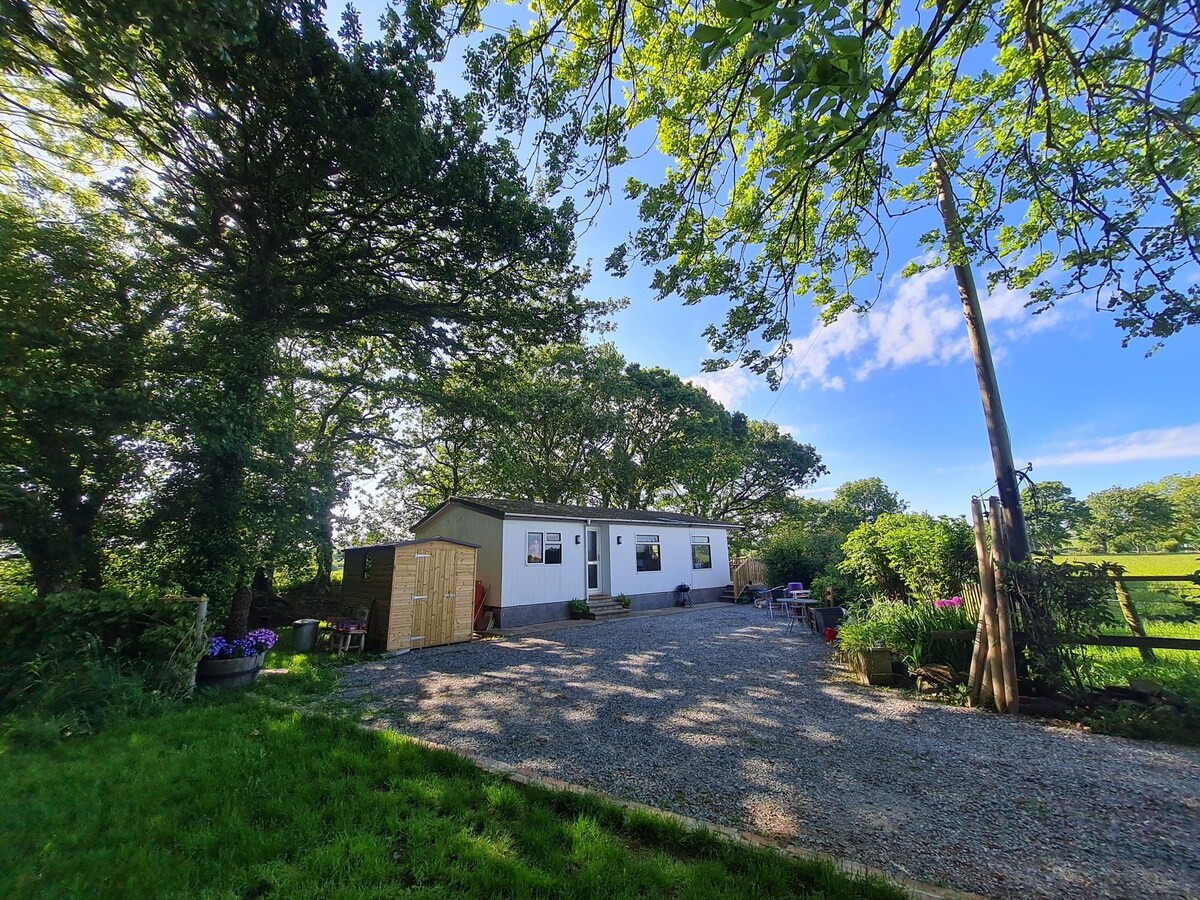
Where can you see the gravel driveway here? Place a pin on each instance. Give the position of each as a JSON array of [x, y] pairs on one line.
[[715, 713]]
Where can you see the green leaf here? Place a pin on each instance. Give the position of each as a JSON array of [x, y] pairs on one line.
[[734, 9]]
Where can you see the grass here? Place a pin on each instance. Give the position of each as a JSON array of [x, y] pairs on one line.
[[241, 796], [1142, 563], [1167, 609]]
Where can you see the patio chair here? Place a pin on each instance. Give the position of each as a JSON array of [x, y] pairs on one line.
[[827, 617]]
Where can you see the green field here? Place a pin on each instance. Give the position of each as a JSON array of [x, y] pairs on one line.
[[1142, 563], [1167, 609]]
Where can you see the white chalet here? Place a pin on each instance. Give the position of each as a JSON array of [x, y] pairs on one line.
[[534, 558]]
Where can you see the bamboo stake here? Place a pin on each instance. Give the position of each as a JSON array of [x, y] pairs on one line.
[[1131, 616], [987, 601], [988, 695], [1008, 654]]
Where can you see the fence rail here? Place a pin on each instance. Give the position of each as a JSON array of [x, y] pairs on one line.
[[1098, 640], [745, 572]]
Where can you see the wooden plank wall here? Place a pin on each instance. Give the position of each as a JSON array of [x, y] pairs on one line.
[[372, 592]]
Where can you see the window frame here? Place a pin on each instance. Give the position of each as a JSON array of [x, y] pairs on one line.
[[546, 544], [647, 540], [701, 540]]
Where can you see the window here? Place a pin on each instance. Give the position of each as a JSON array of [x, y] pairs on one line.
[[543, 548], [533, 548], [649, 553], [701, 553]]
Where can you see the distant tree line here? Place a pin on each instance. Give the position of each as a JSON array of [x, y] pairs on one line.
[[1160, 515]]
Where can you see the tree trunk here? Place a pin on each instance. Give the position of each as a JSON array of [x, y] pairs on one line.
[[239, 613], [989, 391]]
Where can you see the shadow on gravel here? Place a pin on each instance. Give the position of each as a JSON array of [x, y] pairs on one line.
[[720, 715]]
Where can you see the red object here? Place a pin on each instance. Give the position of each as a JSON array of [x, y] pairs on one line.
[[830, 635], [480, 596]]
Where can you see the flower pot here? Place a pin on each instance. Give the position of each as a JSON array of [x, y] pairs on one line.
[[229, 673], [874, 666]]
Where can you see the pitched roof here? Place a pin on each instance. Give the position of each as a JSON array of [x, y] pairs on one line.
[[410, 543], [530, 509]]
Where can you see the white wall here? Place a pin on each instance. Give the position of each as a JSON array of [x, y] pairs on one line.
[[463, 524], [526, 584], [675, 543]]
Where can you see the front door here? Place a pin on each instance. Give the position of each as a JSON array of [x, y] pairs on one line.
[[592, 539]]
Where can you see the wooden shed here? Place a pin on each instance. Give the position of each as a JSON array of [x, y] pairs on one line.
[[420, 593]]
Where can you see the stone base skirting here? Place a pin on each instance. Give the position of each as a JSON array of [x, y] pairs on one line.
[[537, 613]]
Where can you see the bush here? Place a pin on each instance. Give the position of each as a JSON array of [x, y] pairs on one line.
[[1054, 600], [76, 659], [794, 553], [912, 555], [847, 591]]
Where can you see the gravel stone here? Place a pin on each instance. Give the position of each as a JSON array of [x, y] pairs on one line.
[[716, 713]]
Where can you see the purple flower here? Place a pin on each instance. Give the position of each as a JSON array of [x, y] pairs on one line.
[[258, 641]]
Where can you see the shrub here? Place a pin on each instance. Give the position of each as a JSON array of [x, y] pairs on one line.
[[912, 555], [1055, 600], [847, 591], [794, 553], [78, 658]]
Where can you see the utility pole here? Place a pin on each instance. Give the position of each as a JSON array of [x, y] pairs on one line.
[[989, 392]]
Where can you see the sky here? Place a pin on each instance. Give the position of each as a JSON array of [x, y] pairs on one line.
[[894, 394]]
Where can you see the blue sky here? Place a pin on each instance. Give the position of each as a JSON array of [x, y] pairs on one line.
[[894, 393]]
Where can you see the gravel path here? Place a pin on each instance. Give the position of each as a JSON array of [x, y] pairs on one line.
[[716, 714]]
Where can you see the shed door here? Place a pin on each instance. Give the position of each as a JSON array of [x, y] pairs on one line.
[[435, 596]]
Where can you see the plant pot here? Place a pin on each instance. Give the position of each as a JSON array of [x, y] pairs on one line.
[[229, 673], [874, 666]]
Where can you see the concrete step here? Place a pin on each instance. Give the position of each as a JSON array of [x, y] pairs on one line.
[[603, 614], [606, 606]]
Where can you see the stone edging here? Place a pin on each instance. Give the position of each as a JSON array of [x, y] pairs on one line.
[[521, 775]]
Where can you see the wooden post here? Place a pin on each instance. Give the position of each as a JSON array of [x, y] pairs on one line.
[[201, 615], [1008, 654], [981, 658], [1131, 616], [985, 370]]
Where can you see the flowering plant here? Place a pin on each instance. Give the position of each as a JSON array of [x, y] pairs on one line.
[[255, 642], [943, 604]]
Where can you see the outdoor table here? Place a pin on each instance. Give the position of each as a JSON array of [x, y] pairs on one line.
[[804, 602]]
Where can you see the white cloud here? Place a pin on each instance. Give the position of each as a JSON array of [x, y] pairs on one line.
[[917, 320], [728, 386], [1154, 443]]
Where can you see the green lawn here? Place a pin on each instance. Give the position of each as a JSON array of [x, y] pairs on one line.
[[1143, 563], [243, 797]]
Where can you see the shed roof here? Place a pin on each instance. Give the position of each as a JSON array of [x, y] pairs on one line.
[[412, 542], [523, 509]]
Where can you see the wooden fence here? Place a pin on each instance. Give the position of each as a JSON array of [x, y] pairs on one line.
[[971, 596]]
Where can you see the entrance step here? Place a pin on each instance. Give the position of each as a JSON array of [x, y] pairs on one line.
[[604, 608]]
